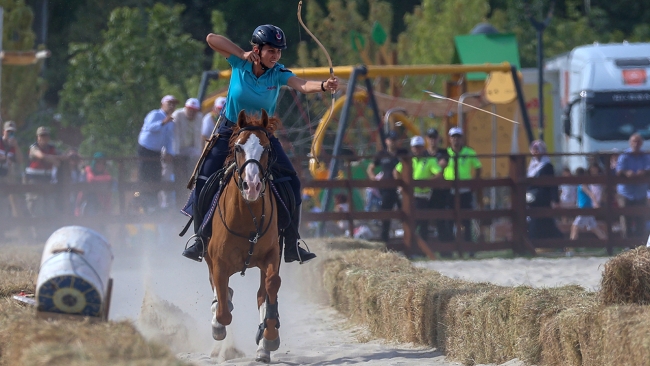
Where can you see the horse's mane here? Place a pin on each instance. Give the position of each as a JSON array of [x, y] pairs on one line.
[[273, 125]]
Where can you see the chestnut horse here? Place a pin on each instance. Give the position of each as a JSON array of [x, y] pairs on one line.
[[245, 231]]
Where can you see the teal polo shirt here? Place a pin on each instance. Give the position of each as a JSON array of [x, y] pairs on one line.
[[250, 93]]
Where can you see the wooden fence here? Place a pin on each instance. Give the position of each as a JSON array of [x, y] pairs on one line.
[[515, 211]]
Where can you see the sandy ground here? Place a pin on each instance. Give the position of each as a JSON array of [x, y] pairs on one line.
[[169, 298]]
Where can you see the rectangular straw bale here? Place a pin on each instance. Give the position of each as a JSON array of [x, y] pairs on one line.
[[478, 327], [573, 337], [625, 335], [531, 307], [626, 278]]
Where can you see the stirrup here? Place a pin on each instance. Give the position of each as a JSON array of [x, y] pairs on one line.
[[202, 243], [301, 260]]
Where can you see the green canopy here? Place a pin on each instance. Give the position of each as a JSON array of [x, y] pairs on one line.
[[486, 48]]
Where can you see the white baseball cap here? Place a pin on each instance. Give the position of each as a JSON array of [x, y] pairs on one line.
[[220, 102], [168, 98], [193, 103], [417, 141], [455, 131]]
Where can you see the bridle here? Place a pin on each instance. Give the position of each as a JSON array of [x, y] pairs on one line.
[[260, 230], [266, 172]]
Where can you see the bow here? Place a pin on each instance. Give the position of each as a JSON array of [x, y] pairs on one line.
[[323, 124]]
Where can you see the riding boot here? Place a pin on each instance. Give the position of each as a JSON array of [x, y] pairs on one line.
[[292, 249], [196, 251]]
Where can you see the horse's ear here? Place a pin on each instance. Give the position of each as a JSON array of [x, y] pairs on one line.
[[241, 119], [265, 118]]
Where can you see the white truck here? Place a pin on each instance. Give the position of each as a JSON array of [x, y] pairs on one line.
[[605, 96]]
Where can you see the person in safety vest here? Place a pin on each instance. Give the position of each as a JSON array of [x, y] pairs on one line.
[[424, 168], [465, 158]]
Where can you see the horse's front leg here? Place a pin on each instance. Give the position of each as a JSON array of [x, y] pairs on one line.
[[268, 304], [222, 304]]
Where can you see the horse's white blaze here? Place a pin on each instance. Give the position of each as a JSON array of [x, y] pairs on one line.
[[253, 150]]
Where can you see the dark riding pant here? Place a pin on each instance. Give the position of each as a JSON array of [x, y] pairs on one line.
[[220, 151]]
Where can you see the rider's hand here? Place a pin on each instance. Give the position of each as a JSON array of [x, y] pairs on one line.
[[251, 56], [331, 84]]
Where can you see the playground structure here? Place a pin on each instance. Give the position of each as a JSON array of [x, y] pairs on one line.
[[502, 90]]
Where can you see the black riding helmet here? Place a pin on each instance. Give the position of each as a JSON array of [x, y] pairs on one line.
[[271, 35]]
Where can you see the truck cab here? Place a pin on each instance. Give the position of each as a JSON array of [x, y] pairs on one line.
[[605, 95]]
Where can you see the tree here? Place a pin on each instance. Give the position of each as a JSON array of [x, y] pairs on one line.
[[430, 30], [334, 30], [21, 86], [112, 84]]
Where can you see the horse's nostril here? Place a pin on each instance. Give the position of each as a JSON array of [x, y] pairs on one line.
[[245, 185], [258, 186]]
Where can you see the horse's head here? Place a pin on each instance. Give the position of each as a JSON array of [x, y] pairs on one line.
[[252, 150]]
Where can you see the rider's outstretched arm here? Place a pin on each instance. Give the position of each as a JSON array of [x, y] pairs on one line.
[[226, 47]]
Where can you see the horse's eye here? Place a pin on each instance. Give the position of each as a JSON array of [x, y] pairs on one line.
[[238, 148]]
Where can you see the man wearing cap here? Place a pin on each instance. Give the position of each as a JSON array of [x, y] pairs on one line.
[[10, 153], [465, 158], [43, 163], [157, 133], [210, 119], [10, 158], [386, 160], [424, 168], [187, 142], [439, 196]]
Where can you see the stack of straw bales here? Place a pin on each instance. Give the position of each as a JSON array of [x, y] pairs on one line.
[[483, 323], [26, 340]]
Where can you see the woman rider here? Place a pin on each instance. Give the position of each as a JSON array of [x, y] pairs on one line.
[[254, 85]]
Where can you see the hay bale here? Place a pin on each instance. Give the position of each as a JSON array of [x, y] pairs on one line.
[[18, 269], [573, 337], [625, 335], [626, 278], [477, 328], [532, 307], [503, 323]]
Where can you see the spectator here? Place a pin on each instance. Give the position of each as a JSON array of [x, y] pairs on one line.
[[157, 132], [439, 197], [633, 163], [466, 159], [568, 193], [386, 160], [93, 203], [210, 119], [341, 205], [424, 168], [187, 130], [10, 159], [541, 196], [587, 198], [43, 163]]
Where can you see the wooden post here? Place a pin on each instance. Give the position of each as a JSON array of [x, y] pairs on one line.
[[610, 196], [408, 204], [457, 221], [348, 172], [120, 187], [518, 199]]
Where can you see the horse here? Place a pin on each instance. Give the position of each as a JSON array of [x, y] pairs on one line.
[[245, 231]]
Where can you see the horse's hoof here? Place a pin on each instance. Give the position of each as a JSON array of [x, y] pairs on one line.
[[263, 356], [218, 332], [271, 346]]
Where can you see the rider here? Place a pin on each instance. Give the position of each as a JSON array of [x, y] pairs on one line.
[[254, 85]]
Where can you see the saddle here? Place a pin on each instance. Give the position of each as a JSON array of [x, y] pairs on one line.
[[280, 185]]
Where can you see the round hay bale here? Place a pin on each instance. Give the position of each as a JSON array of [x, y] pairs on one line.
[[626, 278]]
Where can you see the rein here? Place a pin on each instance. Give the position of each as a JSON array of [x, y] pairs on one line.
[[260, 230]]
